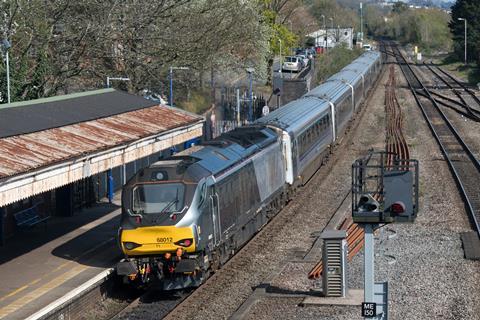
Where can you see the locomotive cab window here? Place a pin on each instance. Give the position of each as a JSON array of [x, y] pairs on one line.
[[158, 198]]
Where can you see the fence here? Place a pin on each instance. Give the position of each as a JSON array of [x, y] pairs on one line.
[[235, 105], [222, 126]]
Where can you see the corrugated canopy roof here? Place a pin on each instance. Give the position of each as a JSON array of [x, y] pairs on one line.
[[26, 152], [37, 115]]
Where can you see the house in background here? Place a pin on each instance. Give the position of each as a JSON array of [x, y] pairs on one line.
[[331, 37]]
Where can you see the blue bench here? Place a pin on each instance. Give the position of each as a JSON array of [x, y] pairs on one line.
[[29, 217]]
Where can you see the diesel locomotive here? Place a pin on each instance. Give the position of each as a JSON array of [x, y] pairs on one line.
[[182, 218]]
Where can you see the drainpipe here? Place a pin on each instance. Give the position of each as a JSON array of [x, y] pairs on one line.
[[110, 185]]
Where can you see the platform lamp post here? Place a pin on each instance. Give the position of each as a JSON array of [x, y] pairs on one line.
[[5, 48], [281, 64], [361, 20], [171, 81], [465, 21], [331, 20], [250, 72], [109, 79], [324, 28]]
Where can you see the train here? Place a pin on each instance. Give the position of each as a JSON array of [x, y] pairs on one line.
[[184, 217]]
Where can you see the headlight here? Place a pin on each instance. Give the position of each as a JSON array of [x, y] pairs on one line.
[[131, 245], [184, 242]]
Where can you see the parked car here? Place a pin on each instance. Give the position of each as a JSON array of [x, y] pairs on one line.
[[292, 64], [367, 47], [304, 59], [310, 53], [299, 51]]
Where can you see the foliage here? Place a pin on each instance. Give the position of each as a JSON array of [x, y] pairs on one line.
[[470, 10], [340, 15], [63, 45], [275, 15], [471, 72], [399, 7], [333, 61], [198, 102], [427, 28]]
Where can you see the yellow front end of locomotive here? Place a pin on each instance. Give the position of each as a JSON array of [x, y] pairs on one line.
[[157, 240]]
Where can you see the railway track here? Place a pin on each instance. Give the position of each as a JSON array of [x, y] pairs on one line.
[[396, 147], [456, 87], [462, 162], [464, 87], [152, 305]]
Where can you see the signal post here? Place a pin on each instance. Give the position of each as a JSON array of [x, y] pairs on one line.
[[384, 190]]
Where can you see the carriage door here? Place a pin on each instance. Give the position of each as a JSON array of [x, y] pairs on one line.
[[214, 209]]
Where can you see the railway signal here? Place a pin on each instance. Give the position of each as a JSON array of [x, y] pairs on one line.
[[384, 190]]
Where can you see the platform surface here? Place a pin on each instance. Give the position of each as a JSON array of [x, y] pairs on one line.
[[42, 264]]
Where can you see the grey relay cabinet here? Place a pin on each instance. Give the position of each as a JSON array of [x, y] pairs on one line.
[[334, 263]]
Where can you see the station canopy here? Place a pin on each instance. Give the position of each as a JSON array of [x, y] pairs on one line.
[[48, 143]]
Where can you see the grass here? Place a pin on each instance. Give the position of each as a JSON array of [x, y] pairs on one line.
[[334, 60], [469, 73], [198, 103]]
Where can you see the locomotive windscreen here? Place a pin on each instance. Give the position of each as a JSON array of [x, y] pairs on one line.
[[158, 198]]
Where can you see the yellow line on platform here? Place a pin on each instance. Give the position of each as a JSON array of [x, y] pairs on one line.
[[37, 293], [14, 292], [63, 265]]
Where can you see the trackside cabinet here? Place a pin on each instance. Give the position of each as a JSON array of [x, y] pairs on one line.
[[334, 257]]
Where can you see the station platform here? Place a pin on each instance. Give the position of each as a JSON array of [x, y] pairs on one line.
[[42, 264]]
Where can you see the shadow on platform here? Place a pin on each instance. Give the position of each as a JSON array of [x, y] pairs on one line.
[[57, 227]]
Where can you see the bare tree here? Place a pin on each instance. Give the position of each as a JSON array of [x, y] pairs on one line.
[[66, 45]]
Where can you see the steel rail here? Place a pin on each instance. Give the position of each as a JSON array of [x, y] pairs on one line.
[[464, 87], [458, 103], [396, 147], [473, 113], [462, 162], [164, 302], [443, 103]]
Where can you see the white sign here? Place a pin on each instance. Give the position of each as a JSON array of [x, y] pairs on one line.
[[265, 110], [369, 309]]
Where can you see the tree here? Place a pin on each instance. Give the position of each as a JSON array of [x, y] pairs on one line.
[[399, 7], [342, 16], [275, 16], [470, 10], [42, 57], [64, 45]]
